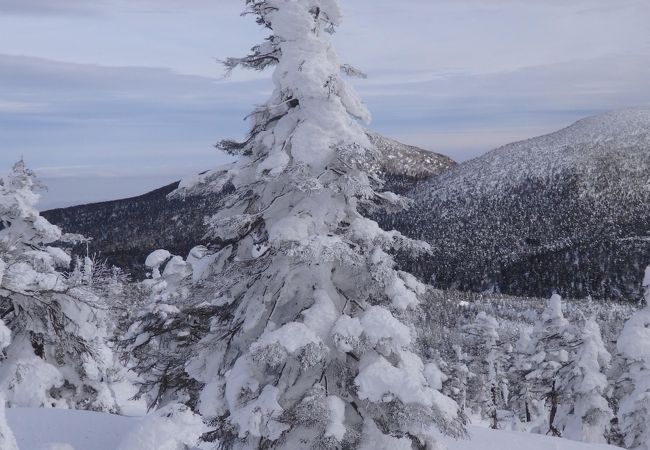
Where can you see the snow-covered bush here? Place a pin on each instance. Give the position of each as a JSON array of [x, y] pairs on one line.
[[58, 354]]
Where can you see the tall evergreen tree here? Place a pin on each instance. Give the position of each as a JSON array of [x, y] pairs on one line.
[[309, 344]]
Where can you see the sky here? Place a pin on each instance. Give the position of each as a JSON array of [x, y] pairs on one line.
[[111, 98]]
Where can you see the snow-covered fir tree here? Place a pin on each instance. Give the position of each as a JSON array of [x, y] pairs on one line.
[[309, 344], [487, 363], [585, 414], [58, 354], [549, 356], [521, 398], [458, 379], [633, 387], [7, 439], [160, 339]]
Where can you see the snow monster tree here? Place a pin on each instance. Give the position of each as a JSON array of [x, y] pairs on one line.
[[309, 345], [57, 354]]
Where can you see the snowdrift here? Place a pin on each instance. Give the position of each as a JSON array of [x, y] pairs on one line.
[[43, 429]]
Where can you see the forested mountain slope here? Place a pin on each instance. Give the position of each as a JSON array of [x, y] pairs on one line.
[[569, 211], [126, 231]]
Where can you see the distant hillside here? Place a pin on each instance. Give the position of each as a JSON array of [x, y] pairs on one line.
[[126, 231], [569, 211]]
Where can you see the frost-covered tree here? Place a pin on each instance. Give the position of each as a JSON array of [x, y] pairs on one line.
[[7, 439], [634, 385], [159, 341], [458, 379], [487, 363], [58, 354], [585, 414], [309, 344], [112, 283], [549, 353], [521, 398]]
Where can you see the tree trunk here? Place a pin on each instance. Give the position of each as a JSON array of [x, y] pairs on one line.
[[553, 397], [495, 421]]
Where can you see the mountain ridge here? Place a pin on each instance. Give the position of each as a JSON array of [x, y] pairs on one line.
[[560, 212], [125, 231]]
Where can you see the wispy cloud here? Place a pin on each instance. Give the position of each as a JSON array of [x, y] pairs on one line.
[[121, 88], [75, 119], [17, 107]]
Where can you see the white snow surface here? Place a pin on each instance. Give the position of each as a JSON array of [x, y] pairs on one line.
[[82, 430]]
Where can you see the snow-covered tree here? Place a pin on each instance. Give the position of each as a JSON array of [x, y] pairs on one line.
[[159, 339], [549, 354], [7, 439], [585, 414], [458, 378], [521, 398], [58, 354], [309, 344], [487, 363], [634, 386]]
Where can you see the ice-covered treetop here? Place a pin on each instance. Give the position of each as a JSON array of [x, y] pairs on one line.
[[22, 184], [18, 215], [311, 118], [267, 54]]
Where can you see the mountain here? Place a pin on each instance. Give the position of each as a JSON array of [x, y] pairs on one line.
[[126, 231], [569, 211]]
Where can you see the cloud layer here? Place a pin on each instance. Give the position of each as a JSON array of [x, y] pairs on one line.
[[125, 89]]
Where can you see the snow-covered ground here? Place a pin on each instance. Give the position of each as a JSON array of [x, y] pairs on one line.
[[57, 429], [40, 429], [487, 439]]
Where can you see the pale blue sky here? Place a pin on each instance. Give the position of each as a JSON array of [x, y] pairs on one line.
[[107, 98]]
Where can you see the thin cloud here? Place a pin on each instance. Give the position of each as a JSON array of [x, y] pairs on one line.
[[106, 90]]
